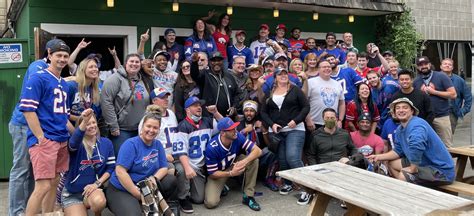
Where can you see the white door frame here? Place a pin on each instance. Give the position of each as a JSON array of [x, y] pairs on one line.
[[129, 32]]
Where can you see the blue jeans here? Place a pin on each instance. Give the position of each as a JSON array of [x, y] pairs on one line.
[[290, 149], [120, 139], [21, 175]]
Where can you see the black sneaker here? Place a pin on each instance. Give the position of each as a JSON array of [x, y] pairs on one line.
[[225, 191], [186, 205], [251, 203], [304, 199]]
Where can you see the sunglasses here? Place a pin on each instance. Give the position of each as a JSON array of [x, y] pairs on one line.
[[186, 66]]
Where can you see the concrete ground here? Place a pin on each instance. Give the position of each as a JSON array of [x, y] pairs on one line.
[[272, 203]]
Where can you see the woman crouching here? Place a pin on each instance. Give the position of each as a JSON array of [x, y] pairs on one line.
[[138, 159], [92, 160]]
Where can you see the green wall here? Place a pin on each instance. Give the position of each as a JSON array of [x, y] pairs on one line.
[[148, 13]]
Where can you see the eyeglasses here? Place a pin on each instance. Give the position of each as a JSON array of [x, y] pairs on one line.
[[185, 66]]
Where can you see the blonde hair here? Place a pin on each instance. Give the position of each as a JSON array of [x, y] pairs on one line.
[[81, 82], [84, 143], [293, 62], [306, 58], [153, 112]]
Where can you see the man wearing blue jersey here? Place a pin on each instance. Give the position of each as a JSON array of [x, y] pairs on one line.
[[239, 49], [21, 175], [196, 131], [347, 77], [43, 103], [224, 159]]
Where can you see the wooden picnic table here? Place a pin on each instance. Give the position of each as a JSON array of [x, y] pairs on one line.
[[463, 153], [367, 191]]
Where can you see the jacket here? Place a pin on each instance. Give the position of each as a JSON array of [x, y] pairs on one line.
[[327, 147], [462, 104], [295, 107], [218, 89], [118, 111]]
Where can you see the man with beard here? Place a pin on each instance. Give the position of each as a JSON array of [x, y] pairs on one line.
[[239, 49], [440, 89], [382, 93], [252, 128], [171, 45], [347, 78], [367, 143], [419, 156], [296, 44], [196, 131], [225, 159], [219, 87], [419, 99], [203, 63], [310, 48]]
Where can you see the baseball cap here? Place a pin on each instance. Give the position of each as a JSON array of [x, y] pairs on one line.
[[422, 59], [280, 55], [281, 26], [192, 100], [226, 124], [57, 45], [388, 52], [365, 116], [264, 26], [267, 60], [159, 92], [216, 56], [255, 67], [401, 100], [169, 30], [240, 32], [250, 104], [279, 70], [163, 53]]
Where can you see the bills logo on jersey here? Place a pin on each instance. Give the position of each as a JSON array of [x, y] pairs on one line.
[[94, 162], [139, 92], [151, 158]]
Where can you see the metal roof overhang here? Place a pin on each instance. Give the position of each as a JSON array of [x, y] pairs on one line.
[[342, 7]]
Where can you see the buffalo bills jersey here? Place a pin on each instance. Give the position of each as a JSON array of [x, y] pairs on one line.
[[193, 139], [258, 48], [168, 131], [46, 95], [194, 44], [348, 79], [233, 51], [220, 158]]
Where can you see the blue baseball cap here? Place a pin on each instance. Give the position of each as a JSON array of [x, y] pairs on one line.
[[56, 45], [226, 124], [192, 100], [159, 92]]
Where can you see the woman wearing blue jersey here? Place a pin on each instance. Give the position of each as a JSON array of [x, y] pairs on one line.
[[84, 90], [139, 158], [92, 160]]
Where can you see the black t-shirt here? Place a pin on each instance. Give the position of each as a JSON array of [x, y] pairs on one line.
[[373, 62]]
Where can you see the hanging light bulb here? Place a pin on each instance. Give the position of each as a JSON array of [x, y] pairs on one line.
[[110, 3], [351, 18], [229, 10], [315, 15], [175, 6], [276, 12]]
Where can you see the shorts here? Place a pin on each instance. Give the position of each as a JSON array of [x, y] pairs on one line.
[[69, 199], [49, 158], [426, 176]]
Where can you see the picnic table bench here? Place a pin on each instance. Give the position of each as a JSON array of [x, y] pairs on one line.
[[367, 191], [461, 185]]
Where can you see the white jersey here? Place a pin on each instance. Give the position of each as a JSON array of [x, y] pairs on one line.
[[168, 131], [258, 48], [166, 80]]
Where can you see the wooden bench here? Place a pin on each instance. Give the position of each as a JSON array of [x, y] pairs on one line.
[[459, 187], [366, 191], [462, 154]]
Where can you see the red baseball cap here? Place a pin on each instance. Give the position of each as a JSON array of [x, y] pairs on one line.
[[238, 32], [264, 26], [281, 26]]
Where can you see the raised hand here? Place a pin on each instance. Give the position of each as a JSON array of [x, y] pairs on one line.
[[83, 44], [112, 51], [145, 36]]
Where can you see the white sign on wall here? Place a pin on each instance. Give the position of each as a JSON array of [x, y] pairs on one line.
[[10, 53]]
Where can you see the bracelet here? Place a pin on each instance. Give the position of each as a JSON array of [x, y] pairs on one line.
[[98, 183]]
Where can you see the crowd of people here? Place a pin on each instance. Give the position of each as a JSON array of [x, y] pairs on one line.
[[190, 116]]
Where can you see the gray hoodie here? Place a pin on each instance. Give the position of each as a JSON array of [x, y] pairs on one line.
[[114, 98]]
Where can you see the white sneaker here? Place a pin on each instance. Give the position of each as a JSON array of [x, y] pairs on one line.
[[304, 198], [286, 189]]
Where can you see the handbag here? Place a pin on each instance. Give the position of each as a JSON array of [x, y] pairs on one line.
[[275, 140]]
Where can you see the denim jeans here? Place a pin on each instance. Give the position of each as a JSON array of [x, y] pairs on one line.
[[290, 149], [120, 139], [21, 175]]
